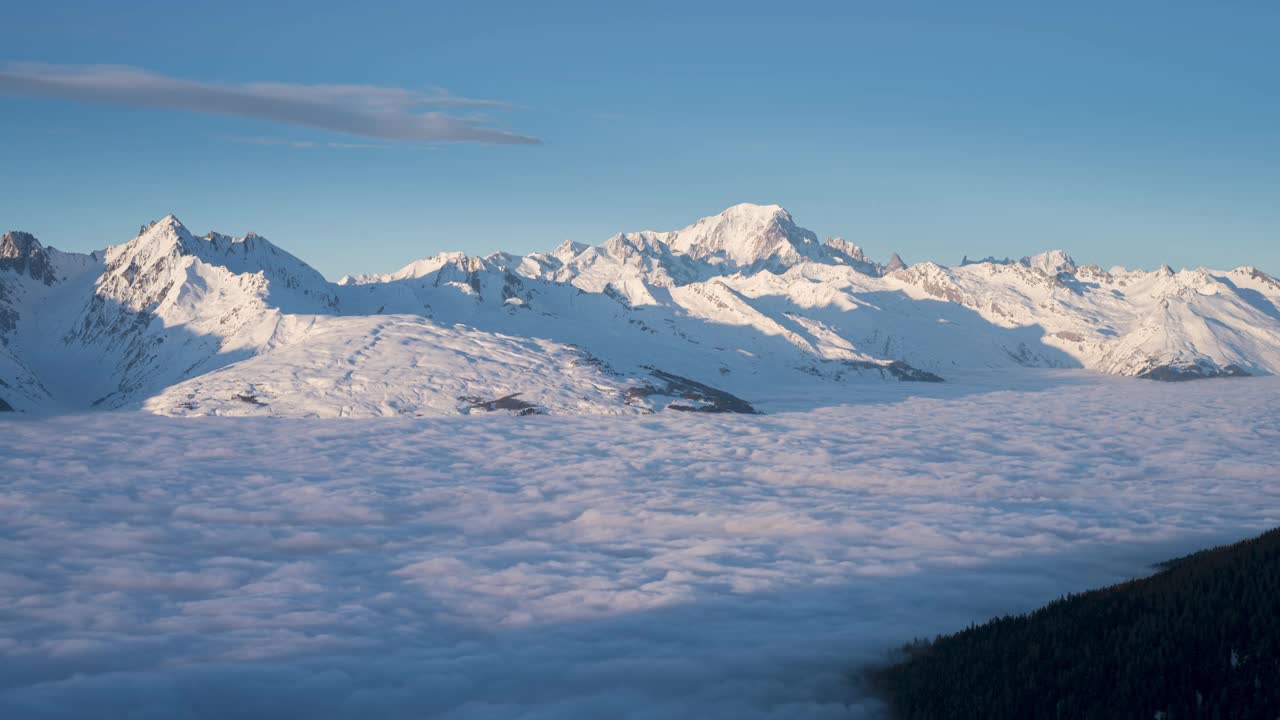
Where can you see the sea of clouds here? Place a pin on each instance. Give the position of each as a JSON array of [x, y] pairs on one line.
[[671, 566]]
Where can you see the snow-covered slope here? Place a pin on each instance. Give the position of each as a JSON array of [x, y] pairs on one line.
[[1160, 324], [740, 311], [36, 285], [168, 306]]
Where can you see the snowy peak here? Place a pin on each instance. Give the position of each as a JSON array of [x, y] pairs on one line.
[[1268, 284], [21, 253], [255, 254], [164, 246], [743, 239], [1050, 263], [157, 241], [746, 234], [417, 269], [847, 249], [168, 229], [748, 238], [568, 250], [169, 238], [843, 252]]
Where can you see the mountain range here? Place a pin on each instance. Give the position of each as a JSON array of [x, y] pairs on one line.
[[723, 316]]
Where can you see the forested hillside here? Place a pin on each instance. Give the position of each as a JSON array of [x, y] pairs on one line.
[[1200, 639]]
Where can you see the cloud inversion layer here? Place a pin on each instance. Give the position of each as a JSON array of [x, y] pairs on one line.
[[663, 566], [385, 113]]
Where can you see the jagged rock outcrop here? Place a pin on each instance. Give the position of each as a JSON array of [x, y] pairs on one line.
[[21, 253]]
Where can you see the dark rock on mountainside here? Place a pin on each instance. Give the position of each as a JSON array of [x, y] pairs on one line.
[[894, 369], [906, 373], [712, 399], [1193, 371], [8, 318], [510, 402], [20, 252]]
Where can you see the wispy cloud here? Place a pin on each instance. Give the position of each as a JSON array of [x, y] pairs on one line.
[[383, 113], [283, 142]]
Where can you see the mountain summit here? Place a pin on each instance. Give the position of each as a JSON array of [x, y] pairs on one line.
[[745, 234], [20, 252]]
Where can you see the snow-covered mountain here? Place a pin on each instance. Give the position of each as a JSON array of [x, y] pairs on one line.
[[729, 314]]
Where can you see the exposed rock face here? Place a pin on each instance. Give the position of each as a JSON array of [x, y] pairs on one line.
[[21, 253], [906, 373], [1191, 371], [708, 399], [511, 402], [8, 316]]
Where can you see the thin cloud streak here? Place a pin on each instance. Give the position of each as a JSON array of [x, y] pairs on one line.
[[383, 113], [278, 142]]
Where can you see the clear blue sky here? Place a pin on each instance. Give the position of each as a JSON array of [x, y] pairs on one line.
[[1127, 133]]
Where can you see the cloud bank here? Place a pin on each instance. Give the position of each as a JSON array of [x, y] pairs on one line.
[[642, 568], [383, 113]]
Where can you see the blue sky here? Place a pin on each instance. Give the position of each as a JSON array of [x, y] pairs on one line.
[[1130, 135]]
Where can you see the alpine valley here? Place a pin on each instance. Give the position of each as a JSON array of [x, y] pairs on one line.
[[729, 314]]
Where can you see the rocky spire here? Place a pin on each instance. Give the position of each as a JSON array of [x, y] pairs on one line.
[[20, 252]]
